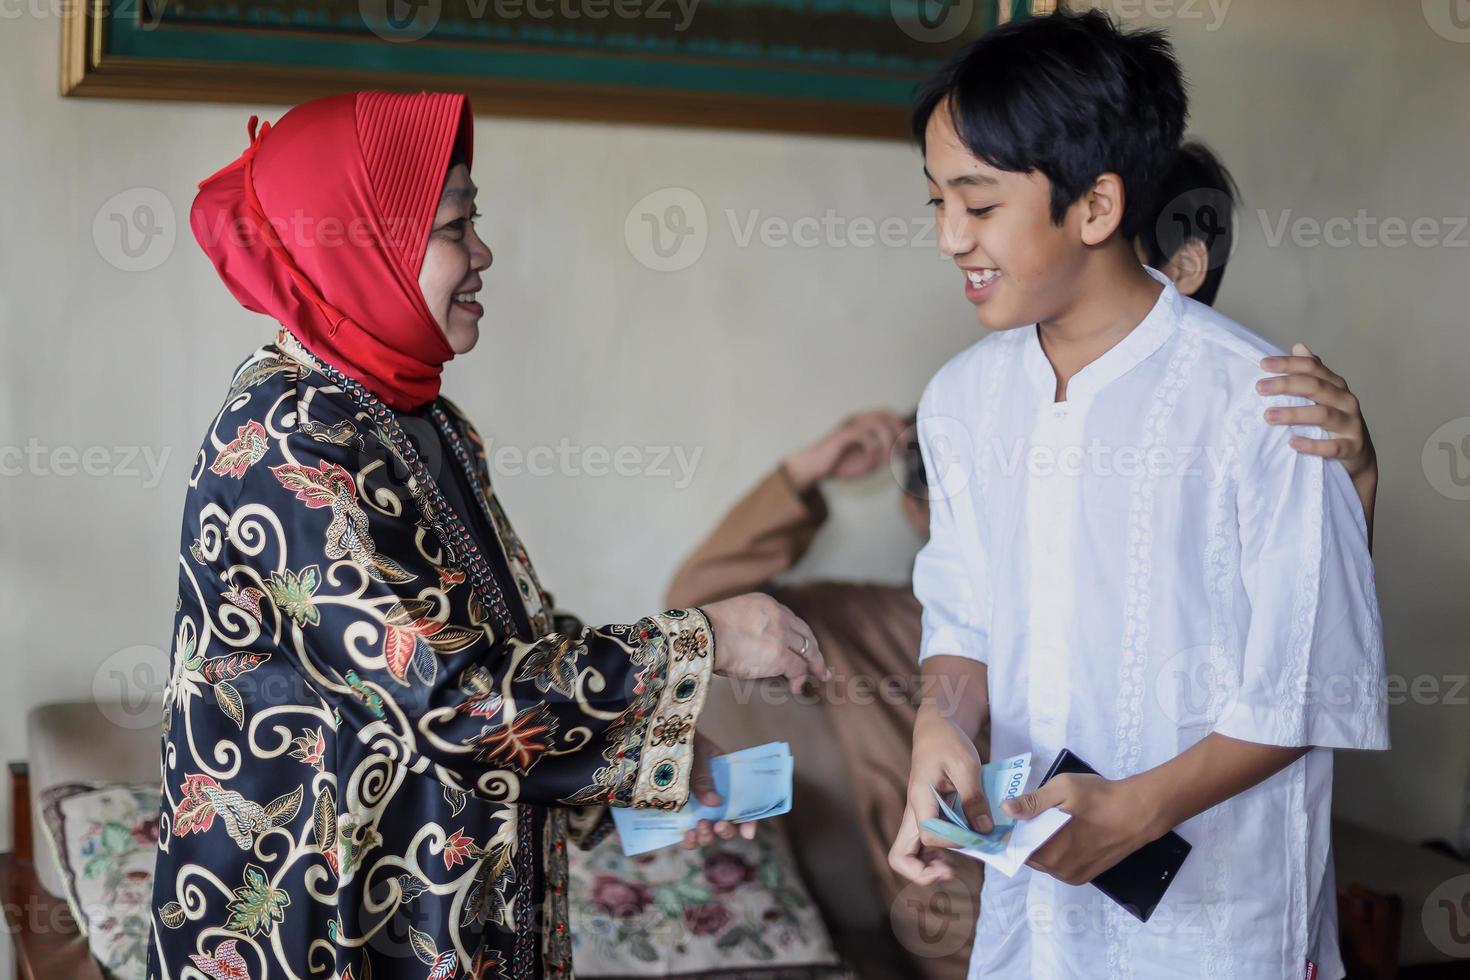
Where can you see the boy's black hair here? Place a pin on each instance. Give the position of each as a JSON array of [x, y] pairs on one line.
[[915, 478], [1071, 96], [1196, 200]]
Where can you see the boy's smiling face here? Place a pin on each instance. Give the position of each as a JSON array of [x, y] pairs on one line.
[[1019, 266]]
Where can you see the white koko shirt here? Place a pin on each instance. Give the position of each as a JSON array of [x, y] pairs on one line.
[[1140, 565]]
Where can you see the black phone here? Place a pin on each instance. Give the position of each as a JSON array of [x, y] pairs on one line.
[[1137, 882]]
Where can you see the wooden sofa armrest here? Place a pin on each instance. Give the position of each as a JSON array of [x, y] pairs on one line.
[[44, 935], [20, 811]]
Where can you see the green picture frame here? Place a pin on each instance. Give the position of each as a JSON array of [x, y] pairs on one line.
[[814, 66]]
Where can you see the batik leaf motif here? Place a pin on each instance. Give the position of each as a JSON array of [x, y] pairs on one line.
[[258, 905], [226, 963], [412, 637], [487, 901], [258, 371], [292, 593], [172, 915], [229, 667], [242, 452], [372, 699], [204, 799], [230, 702], [283, 809], [342, 433], [354, 839], [485, 966], [423, 946], [412, 886], [552, 664], [315, 486], [329, 485], [194, 814], [247, 599], [324, 820], [520, 742], [445, 967], [309, 747], [405, 648], [457, 847]]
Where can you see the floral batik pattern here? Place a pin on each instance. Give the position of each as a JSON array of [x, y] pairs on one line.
[[371, 726]]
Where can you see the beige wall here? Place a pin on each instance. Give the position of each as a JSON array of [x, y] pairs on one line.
[[1321, 108]]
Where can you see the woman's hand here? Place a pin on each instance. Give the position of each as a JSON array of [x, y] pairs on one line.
[[702, 788], [857, 447], [945, 759], [756, 637]]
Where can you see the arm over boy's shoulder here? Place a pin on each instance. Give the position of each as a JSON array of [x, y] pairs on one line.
[[1313, 664]]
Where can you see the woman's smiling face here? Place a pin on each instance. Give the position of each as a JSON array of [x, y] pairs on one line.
[[450, 276]]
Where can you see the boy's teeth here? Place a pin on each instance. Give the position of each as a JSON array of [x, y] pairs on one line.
[[981, 278]]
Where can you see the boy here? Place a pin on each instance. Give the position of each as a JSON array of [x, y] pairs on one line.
[[1125, 558], [1190, 237]]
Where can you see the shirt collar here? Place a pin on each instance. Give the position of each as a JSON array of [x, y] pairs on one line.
[[1133, 349]]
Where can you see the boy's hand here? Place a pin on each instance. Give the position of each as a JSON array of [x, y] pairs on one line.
[[1337, 409], [1110, 820], [945, 759]]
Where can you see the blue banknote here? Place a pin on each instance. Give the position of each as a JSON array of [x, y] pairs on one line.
[[1011, 842], [1000, 780], [753, 784]]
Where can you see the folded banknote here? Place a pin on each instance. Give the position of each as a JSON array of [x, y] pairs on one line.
[[1012, 842], [753, 784]]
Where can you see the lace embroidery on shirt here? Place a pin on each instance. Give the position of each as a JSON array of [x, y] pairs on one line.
[[1291, 720], [1222, 570], [1296, 881], [1371, 718], [995, 378], [1132, 683], [1131, 680]]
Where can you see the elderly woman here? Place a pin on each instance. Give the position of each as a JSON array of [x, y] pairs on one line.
[[377, 730]]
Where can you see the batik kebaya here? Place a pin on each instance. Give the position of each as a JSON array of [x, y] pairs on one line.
[[375, 724]]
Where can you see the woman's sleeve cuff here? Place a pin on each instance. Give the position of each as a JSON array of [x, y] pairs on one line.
[[661, 737]]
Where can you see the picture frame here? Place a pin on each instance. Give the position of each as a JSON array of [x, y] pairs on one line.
[[844, 67]]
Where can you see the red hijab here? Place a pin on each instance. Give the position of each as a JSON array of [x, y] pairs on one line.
[[323, 221]]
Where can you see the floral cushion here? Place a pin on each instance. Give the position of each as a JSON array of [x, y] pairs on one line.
[[733, 909], [106, 837]]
